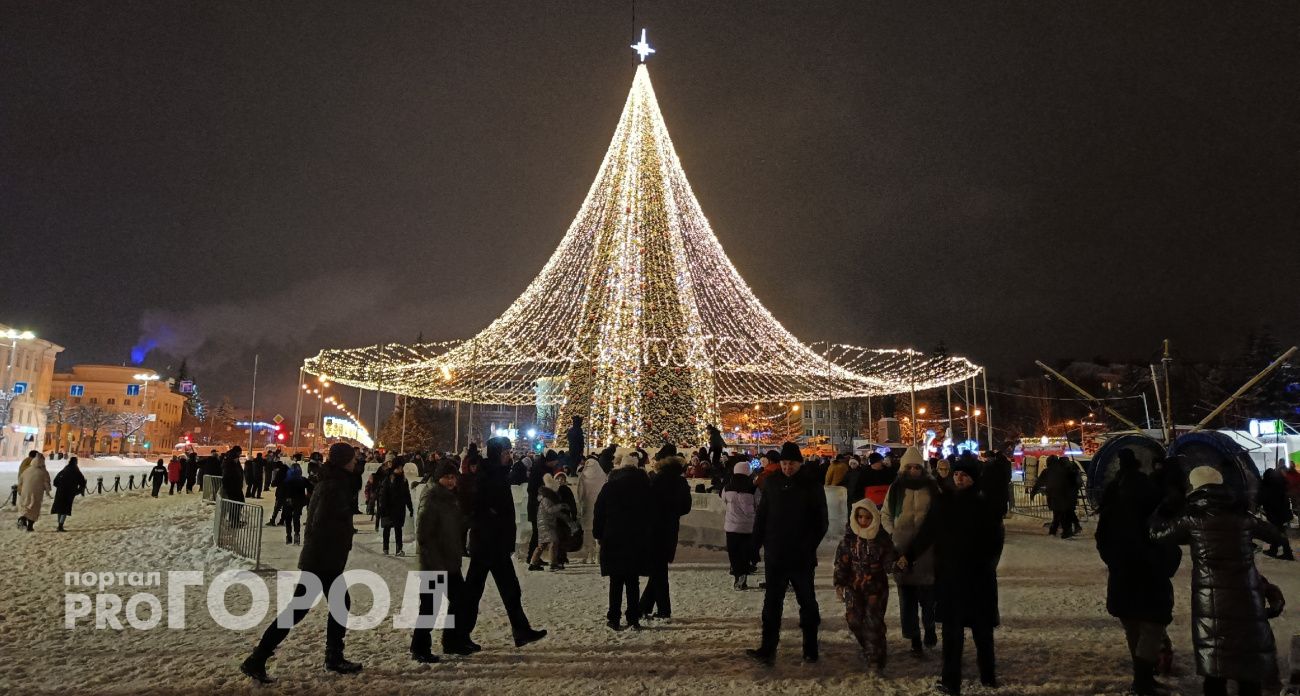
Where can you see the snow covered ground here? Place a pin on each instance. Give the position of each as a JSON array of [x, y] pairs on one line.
[[107, 467], [1056, 637]]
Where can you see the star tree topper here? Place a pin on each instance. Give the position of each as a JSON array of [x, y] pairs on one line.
[[642, 49]]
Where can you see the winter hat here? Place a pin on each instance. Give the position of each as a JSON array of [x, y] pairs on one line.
[[390, 457], [629, 460], [869, 532], [560, 478], [444, 469], [790, 453], [1204, 476], [740, 469], [911, 456], [340, 453], [772, 456], [548, 481], [967, 465]]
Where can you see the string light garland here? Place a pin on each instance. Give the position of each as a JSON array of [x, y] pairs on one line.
[[638, 322]]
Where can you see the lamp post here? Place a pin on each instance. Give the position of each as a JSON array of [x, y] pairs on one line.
[[145, 378]]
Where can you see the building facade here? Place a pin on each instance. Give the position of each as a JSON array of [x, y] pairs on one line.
[[102, 394], [28, 366]]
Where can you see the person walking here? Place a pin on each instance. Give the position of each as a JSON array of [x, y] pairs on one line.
[[1277, 510], [547, 523], [790, 523], [670, 500], [157, 475], [32, 487], [174, 477], [872, 481], [1231, 637], [741, 498], [190, 466], [863, 561], [325, 554], [440, 540], [910, 499], [621, 522], [291, 497], [838, 470], [491, 544], [1138, 590], [68, 484], [232, 477], [964, 532], [395, 495]]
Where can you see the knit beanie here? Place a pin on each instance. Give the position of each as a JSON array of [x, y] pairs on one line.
[[790, 453], [740, 469]]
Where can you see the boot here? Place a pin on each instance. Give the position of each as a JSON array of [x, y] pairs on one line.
[[255, 667], [297, 540], [335, 662], [763, 656], [1144, 678], [810, 652], [400, 553], [916, 647], [744, 583], [426, 657], [536, 566], [735, 582], [931, 639], [527, 636]]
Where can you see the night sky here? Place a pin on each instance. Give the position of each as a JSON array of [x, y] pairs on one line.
[[1021, 180]]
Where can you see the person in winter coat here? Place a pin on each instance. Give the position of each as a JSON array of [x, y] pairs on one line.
[[157, 475], [1292, 484], [174, 478], [396, 503], [566, 517], [771, 465], [209, 466], [995, 483], [621, 521], [232, 477], [324, 554], [440, 538], [1138, 591], [963, 530], [519, 471], [191, 470], [23, 466], [535, 477], [872, 481], [1230, 632], [790, 523], [1277, 510], [291, 496], [591, 478], [670, 500], [837, 471], [491, 543], [862, 564], [547, 525], [68, 484], [32, 487], [576, 440], [910, 500], [741, 499], [1060, 481]]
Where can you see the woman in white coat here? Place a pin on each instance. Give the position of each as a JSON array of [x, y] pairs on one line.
[[32, 487], [591, 478]]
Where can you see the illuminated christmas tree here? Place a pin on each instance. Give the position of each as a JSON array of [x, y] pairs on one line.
[[638, 322]]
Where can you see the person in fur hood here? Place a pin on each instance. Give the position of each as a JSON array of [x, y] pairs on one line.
[[910, 499], [862, 564]]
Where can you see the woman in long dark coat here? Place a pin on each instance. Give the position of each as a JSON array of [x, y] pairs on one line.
[[68, 484], [670, 497], [1230, 632], [1277, 509]]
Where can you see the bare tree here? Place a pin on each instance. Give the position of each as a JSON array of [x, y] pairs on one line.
[[130, 423], [90, 417], [57, 413]]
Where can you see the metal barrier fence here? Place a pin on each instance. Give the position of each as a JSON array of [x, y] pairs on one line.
[[237, 527], [1037, 507], [211, 489]]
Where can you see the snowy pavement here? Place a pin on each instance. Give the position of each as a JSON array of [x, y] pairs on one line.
[[1056, 637]]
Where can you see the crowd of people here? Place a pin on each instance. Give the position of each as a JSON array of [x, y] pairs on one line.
[[932, 529]]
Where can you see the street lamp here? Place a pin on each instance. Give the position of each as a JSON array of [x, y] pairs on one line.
[[145, 378]]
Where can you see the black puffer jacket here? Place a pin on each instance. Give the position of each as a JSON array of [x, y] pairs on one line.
[[327, 539], [1230, 631], [670, 497], [1139, 569], [492, 525], [965, 533], [232, 479], [622, 522], [1061, 483], [791, 521]]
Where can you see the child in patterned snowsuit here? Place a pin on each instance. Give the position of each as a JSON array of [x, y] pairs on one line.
[[862, 565]]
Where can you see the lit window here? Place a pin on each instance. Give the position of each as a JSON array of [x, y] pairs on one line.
[[20, 387], [77, 390]]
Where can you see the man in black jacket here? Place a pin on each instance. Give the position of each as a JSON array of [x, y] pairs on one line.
[[491, 542], [577, 443], [325, 554], [789, 525], [670, 499], [232, 476]]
